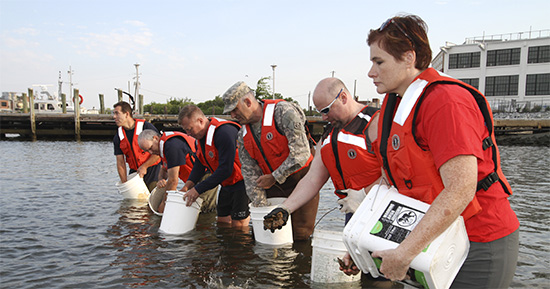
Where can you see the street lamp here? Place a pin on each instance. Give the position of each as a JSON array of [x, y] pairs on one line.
[[273, 66]]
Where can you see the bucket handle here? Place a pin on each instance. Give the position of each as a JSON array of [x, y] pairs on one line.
[[324, 216], [376, 193]]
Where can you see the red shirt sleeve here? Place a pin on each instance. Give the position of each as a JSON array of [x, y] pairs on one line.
[[449, 124]]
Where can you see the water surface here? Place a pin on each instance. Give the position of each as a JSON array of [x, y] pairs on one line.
[[63, 225]]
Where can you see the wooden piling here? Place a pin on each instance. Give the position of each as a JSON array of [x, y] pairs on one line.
[[119, 95], [25, 103], [140, 104], [64, 102], [101, 104], [32, 114], [76, 114]]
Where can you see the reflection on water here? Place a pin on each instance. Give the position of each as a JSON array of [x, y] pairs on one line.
[[528, 170], [63, 225]]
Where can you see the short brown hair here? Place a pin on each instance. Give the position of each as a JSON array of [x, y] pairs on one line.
[[124, 107], [189, 111], [395, 42]]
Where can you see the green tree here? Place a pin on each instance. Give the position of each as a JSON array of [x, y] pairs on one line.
[[172, 106], [213, 106], [263, 91], [263, 88]]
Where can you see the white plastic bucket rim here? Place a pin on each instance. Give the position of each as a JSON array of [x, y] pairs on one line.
[[177, 217], [133, 188], [279, 237], [155, 198], [327, 247]]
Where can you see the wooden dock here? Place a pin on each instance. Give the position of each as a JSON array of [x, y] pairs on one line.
[[57, 126]]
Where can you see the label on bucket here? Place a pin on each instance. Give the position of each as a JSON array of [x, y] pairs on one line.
[[397, 222]]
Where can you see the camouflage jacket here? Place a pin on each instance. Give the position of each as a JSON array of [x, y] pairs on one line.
[[290, 120]]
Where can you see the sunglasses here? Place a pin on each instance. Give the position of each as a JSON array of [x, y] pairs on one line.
[[391, 20], [326, 110]]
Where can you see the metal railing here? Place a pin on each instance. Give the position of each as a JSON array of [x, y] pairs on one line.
[[509, 36]]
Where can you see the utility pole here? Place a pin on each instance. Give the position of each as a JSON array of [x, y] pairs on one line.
[[71, 96], [60, 95], [59, 86], [273, 66]]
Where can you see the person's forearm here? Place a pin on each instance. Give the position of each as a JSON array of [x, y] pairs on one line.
[[121, 168], [173, 179], [150, 161], [459, 177], [309, 185]]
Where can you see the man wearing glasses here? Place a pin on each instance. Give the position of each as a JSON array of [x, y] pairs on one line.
[[274, 151], [345, 156], [177, 151]]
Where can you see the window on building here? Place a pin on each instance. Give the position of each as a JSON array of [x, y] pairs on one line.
[[464, 60], [538, 84], [538, 54], [503, 57], [471, 81], [501, 85]]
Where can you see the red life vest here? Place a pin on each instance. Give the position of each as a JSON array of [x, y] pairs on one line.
[[348, 156], [411, 169], [210, 157], [185, 169], [271, 150], [135, 156]]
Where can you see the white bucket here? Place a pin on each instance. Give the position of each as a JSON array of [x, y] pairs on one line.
[[155, 198], [385, 218], [177, 217], [327, 247], [279, 237], [133, 188]]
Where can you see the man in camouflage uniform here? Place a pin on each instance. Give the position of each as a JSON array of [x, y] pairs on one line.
[[274, 150]]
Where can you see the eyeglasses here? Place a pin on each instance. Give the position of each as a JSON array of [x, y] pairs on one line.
[[391, 20], [326, 110], [149, 150]]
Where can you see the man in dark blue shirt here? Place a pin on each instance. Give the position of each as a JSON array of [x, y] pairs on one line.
[[217, 151], [126, 147]]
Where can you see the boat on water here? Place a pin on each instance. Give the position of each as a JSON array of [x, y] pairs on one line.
[[44, 102]]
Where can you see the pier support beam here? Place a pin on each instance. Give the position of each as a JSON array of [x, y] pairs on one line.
[[32, 114], [25, 103], [140, 110], [76, 115], [101, 104], [64, 102]]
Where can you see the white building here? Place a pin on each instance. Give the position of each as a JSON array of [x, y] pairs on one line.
[[511, 70]]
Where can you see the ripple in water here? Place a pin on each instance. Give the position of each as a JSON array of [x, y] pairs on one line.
[[63, 225]]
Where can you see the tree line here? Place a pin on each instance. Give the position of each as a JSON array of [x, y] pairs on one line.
[[213, 106]]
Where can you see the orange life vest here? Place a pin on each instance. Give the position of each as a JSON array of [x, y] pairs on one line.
[[185, 169], [271, 150], [348, 155], [411, 169], [210, 158], [135, 156]]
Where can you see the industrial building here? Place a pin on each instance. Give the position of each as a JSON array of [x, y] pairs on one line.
[[512, 70]]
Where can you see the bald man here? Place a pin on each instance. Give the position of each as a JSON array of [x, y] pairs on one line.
[[344, 154]]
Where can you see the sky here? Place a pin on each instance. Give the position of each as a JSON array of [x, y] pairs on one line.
[[198, 49]]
